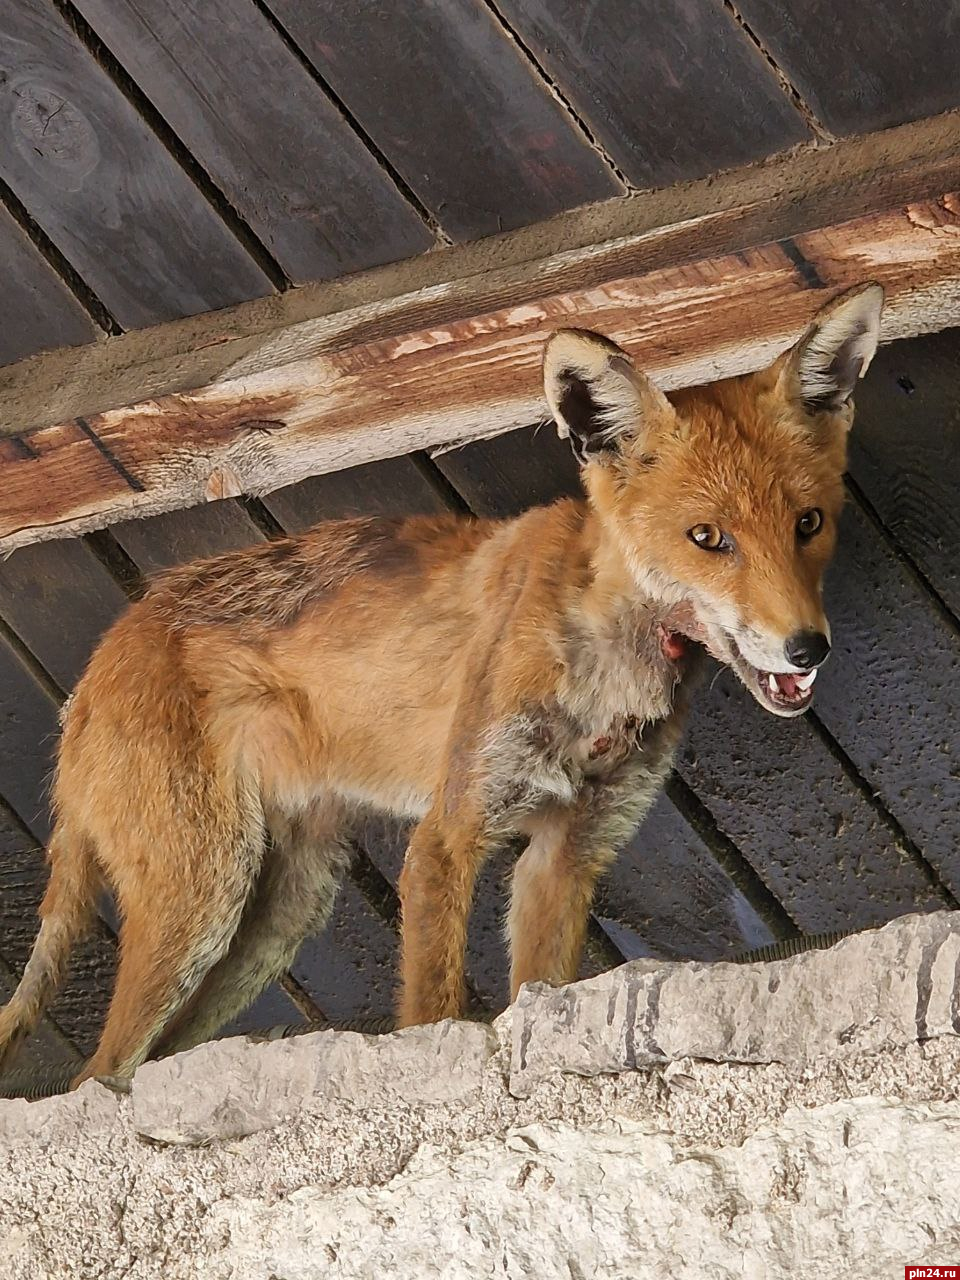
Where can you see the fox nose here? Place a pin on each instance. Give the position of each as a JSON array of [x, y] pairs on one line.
[[806, 649]]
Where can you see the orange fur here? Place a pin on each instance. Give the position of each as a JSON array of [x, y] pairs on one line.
[[485, 678]]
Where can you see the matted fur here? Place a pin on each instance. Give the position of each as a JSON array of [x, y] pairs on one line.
[[487, 678]]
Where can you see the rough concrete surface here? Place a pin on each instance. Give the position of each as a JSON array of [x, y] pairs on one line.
[[835, 1150]]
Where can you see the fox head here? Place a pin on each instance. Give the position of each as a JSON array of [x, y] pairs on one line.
[[723, 500]]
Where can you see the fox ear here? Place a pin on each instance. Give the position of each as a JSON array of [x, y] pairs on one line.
[[599, 401], [823, 368]]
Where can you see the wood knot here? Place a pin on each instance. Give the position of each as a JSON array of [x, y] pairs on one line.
[[222, 482]]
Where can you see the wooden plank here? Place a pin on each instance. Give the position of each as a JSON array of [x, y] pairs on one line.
[[80, 1007], [520, 469], [673, 92], [101, 185], [350, 968], [29, 730], [273, 1008], [618, 238], [506, 153], [59, 599], [40, 310], [788, 805], [163, 541], [905, 453], [891, 697], [270, 138], [666, 897], [391, 487], [475, 378], [858, 75], [48, 1047]]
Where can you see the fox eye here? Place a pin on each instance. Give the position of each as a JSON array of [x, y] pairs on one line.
[[809, 523], [709, 537]]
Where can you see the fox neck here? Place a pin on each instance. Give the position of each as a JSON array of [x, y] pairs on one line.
[[615, 632]]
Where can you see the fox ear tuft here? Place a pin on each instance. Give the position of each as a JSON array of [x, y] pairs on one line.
[[823, 368], [599, 400]]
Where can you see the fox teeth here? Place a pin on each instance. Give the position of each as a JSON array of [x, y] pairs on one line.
[[772, 682], [804, 682]]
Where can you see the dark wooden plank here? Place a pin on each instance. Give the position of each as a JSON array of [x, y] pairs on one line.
[[454, 106], [519, 469], [48, 1047], [350, 968], [672, 88], [101, 185], [891, 694], [59, 599], [665, 896], [905, 452], [273, 1008], [39, 311], [29, 730], [159, 542], [391, 487], [81, 1006], [270, 138], [900, 65], [778, 793]]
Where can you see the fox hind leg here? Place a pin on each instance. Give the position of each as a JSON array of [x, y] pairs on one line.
[[303, 866], [178, 921]]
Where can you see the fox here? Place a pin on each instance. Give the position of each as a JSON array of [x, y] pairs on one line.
[[520, 680]]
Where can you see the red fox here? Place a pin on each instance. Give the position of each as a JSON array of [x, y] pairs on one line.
[[486, 678]]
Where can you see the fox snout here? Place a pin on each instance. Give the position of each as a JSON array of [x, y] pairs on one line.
[[806, 649]]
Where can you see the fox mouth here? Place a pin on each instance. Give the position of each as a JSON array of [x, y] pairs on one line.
[[785, 693]]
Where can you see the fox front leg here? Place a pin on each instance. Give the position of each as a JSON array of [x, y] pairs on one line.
[[488, 794], [570, 848]]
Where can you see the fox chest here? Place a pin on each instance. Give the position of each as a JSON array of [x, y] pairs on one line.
[[539, 762], [602, 752]]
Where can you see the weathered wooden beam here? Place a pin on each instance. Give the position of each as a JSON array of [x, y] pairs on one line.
[[378, 387], [617, 238]]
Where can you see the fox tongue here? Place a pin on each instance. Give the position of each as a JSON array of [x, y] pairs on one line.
[[786, 684]]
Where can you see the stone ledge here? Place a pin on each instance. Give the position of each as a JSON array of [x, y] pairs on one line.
[[881, 988], [232, 1088], [884, 987], [588, 1132], [856, 1188]]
